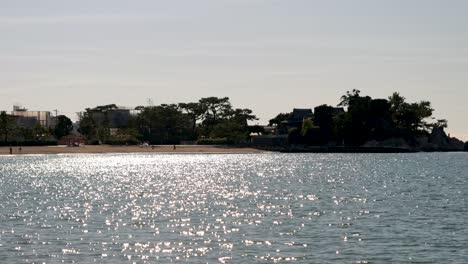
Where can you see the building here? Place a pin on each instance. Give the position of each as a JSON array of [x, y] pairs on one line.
[[295, 120], [298, 116], [25, 118], [114, 118]]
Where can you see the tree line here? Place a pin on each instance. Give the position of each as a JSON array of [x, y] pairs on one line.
[[10, 132], [366, 119], [209, 120], [213, 120]]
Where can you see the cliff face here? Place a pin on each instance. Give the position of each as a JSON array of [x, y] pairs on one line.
[[439, 141]]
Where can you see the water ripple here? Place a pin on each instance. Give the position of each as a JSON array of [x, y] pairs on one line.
[[307, 208]]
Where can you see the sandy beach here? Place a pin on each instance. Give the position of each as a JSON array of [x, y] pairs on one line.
[[180, 149]]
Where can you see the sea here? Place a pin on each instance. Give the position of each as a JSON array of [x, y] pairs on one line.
[[234, 208]]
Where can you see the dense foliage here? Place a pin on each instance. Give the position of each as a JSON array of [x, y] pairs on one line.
[[12, 134], [211, 119], [366, 119], [63, 127]]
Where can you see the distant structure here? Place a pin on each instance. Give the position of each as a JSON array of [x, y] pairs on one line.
[[115, 118], [278, 136], [297, 117], [25, 118]]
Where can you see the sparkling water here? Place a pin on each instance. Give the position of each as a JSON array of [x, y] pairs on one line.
[[251, 208]]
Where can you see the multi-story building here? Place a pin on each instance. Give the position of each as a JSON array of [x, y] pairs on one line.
[[115, 118], [27, 118]]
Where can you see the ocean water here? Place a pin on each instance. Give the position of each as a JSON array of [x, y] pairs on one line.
[[253, 208]]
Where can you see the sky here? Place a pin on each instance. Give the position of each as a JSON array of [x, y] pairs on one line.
[[266, 55]]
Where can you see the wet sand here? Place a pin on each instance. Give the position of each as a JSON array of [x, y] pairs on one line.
[[129, 149]]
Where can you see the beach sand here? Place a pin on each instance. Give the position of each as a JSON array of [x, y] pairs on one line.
[[180, 149]]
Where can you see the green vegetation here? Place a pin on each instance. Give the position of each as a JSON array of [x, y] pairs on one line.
[[7, 125], [359, 120], [211, 119], [12, 134], [366, 119], [63, 127]]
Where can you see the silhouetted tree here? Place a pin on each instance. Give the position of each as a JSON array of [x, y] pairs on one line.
[[164, 124], [193, 110], [410, 117], [88, 125], [323, 118], [63, 127], [354, 123], [278, 119], [350, 96], [7, 125]]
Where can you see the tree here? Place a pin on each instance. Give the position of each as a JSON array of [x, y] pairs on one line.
[[323, 118], [214, 111], [88, 125], [241, 116], [234, 125], [256, 129], [41, 133], [63, 127], [94, 122], [379, 122], [349, 97], [276, 121], [164, 124], [7, 125], [354, 122], [214, 108], [443, 123], [410, 117], [194, 110], [310, 133]]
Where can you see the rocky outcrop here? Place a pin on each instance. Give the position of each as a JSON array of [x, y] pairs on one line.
[[389, 143], [439, 141], [456, 144], [436, 141]]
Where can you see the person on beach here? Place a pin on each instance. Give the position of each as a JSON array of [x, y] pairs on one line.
[[174, 147], [11, 150]]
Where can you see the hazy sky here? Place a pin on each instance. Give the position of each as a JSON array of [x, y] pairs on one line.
[[267, 55]]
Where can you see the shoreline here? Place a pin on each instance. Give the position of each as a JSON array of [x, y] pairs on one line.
[[103, 149], [192, 149]]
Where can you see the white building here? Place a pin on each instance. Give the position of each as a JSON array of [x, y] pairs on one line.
[[27, 118]]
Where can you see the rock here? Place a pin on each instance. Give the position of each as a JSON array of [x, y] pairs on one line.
[[388, 143], [428, 147], [438, 140], [456, 144], [422, 140], [372, 143], [396, 143]]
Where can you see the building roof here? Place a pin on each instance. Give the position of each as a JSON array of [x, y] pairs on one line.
[[299, 114]]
